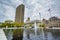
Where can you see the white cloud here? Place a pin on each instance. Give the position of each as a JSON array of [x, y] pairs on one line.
[[10, 12], [16, 2], [33, 7]]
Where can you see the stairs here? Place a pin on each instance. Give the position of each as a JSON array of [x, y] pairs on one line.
[[2, 35]]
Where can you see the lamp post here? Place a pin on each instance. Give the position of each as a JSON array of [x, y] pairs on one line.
[[40, 16], [49, 10]]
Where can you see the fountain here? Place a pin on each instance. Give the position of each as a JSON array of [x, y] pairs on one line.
[[35, 28]]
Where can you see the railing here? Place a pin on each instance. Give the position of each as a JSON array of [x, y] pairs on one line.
[[54, 28], [13, 28]]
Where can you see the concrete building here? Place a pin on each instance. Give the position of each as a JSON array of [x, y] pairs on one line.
[[30, 23], [19, 17]]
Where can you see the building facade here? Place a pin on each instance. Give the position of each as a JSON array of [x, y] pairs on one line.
[[52, 22], [32, 22], [19, 17]]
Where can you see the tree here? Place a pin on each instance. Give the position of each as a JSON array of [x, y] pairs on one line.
[[18, 24], [8, 21], [42, 25]]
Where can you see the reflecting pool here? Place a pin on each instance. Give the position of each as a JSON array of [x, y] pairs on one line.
[[29, 34]]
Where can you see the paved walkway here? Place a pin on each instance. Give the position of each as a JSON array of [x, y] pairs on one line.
[[2, 35]]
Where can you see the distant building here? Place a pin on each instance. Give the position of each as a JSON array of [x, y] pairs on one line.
[[19, 17], [46, 22], [31, 23], [28, 19], [52, 22]]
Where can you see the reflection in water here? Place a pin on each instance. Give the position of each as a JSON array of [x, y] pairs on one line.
[[41, 35], [32, 34], [8, 34], [35, 28]]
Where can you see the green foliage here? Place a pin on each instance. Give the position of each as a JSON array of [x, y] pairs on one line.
[[7, 24], [18, 32], [10, 23], [42, 25], [30, 25], [18, 24]]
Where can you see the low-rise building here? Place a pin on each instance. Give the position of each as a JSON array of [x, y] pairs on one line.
[[31, 23], [52, 22]]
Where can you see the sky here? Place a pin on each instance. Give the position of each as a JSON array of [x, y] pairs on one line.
[[32, 9]]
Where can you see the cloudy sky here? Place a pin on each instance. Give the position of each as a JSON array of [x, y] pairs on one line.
[[32, 9]]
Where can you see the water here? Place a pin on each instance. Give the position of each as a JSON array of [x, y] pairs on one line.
[[35, 34], [41, 35], [8, 34]]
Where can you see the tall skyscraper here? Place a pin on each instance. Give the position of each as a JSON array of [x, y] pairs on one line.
[[19, 17]]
